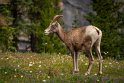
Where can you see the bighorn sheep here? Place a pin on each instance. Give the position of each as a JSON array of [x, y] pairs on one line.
[[75, 39]]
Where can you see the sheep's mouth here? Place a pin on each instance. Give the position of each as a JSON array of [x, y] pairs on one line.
[[46, 33]]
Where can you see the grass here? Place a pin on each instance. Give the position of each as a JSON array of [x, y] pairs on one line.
[[55, 68]]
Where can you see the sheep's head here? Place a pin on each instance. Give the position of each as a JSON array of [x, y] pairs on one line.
[[53, 27]]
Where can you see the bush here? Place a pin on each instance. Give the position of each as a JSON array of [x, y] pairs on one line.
[[6, 39]]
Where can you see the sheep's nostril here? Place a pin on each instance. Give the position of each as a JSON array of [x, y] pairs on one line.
[[45, 31]]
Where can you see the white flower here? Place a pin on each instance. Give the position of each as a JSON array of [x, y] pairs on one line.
[[39, 66], [110, 63], [18, 65], [61, 74], [30, 71], [105, 65], [44, 80], [21, 76], [48, 76], [30, 64], [15, 76], [82, 60], [105, 53], [15, 69], [5, 72], [40, 62], [86, 64], [97, 79]]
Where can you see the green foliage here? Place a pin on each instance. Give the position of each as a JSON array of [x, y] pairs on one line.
[[107, 20], [31, 17], [6, 32], [6, 37], [44, 16]]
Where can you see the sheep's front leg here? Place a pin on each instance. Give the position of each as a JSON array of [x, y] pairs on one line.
[[75, 62]]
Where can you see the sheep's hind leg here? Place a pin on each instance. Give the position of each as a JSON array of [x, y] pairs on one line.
[[91, 60], [97, 47]]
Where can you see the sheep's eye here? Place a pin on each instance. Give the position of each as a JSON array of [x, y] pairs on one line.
[[52, 27]]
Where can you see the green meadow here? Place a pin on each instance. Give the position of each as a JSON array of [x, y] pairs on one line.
[[55, 68]]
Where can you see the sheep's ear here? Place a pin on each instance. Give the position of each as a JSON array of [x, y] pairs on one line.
[[56, 24]]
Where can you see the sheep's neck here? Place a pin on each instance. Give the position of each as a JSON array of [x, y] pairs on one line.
[[61, 33]]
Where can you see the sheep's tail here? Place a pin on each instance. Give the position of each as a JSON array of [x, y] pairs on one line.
[[98, 31]]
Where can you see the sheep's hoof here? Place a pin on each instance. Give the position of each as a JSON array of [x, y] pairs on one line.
[[87, 73], [75, 72]]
